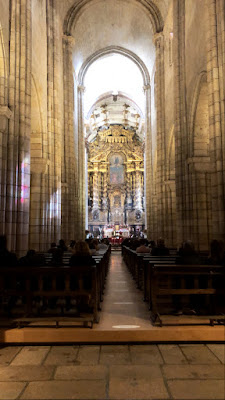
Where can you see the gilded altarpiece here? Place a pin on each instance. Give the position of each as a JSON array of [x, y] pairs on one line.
[[116, 180]]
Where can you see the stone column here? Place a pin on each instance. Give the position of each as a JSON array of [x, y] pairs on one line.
[[68, 145], [5, 115], [170, 227], [216, 82], [53, 196], [80, 231], [160, 108], [148, 162], [18, 149], [180, 129]]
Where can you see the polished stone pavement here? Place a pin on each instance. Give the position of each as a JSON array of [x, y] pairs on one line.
[[187, 371]]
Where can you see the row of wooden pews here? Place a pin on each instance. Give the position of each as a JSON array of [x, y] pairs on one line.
[[42, 294], [169, 286]]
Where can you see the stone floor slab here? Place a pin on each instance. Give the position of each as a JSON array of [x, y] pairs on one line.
[[135, 382], [95, 372], [62, 355], [8, 353], [199, 354], [31, 355], [194, 371], [25, 373], [88, 355], [54, 390], [10, 391], [172, 354], [218, 350], [197, 389], [114, 355], [145, 354]]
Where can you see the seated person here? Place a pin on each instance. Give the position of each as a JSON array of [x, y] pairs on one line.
[[71, 246], [103, 245], [143, 248], [62, 245], [32, 259], [160, 249], [7, 259], [82, 255], [216, 256], [188, 254]]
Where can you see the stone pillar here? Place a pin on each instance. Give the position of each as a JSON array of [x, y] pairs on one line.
[[170, 227], [18, 148], [5, 115], [68, 145], [148, 162], [53, 197], [180, 129], [80, 231], [200, 192], [160, 108], [216, 90]]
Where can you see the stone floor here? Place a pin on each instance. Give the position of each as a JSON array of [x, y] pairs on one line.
[[185, 371]]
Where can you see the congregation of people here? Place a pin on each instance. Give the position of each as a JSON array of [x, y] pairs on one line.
[[82, 252]]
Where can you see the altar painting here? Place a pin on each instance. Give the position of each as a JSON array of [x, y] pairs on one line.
[[116, 169]]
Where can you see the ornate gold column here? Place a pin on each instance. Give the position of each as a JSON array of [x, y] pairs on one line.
[[105, 192]]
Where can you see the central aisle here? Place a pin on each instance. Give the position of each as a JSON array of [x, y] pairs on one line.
[[123, 306]]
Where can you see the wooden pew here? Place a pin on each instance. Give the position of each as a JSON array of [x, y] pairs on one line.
[[46, 283], [173, 280]]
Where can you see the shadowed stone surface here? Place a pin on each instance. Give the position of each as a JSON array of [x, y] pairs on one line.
[[26, 373], [88, 355], [62, 355], [10, 391], [7, 354], [31, 355], [135, 382], [81, 372], [54, 390], [199, 389], [114, 355], [194, 371], [146, 354], [172, 354], [218, 350], [199, 354]]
